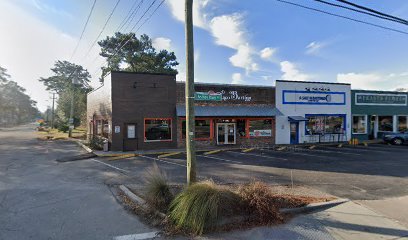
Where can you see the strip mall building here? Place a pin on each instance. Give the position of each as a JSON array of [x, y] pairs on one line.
[[141, 111]]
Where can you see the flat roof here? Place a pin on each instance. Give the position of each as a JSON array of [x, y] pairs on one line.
[[313, 82], [228, 84], [378, 91], [149, 73]]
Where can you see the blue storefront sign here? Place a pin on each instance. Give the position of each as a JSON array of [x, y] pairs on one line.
[[313, 98]]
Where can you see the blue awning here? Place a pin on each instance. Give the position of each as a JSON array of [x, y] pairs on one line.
[[230, 111], [297, 119]]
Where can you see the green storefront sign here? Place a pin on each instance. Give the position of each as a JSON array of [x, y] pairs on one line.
[[204, 96], [381, 99]]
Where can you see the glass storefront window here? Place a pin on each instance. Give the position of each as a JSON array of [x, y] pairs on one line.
[[260, 128], [402, 123], [241, 127], [385, 123], [202, 129], [157, 129], [324, 124], [359, 124]]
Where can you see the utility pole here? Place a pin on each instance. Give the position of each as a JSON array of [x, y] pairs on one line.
[[190, 93], [71, 114], [52, 111]]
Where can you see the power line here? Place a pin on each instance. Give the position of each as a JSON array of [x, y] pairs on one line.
[[372, 10], [147, 19], [131, 15], [341, 16], [83, 30], [363, 12], [103, 28]]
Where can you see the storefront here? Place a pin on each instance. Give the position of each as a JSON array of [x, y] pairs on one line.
[[378, 112], [313, 112], [141, 111], [229, 115]]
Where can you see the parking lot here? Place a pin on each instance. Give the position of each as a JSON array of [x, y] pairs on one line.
[[376, 171]]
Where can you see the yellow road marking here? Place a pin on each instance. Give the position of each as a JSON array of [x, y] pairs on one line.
[[122, 157], [247, 150], [312, 147], [281, 148], [211, 152], [168, 154]]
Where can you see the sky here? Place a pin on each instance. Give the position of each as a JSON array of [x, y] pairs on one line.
[[236, 42]]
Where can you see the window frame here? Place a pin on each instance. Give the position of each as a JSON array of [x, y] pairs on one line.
[[378, 123], [365, 122], [211, 137], [160, 140], [248, 126], [344, 116], [398, 122]]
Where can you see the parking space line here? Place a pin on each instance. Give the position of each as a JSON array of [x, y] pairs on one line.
[[329, 151], [168, 154], [111, 166], [160, 160], [302, 154], [139, 236], [257, 155], [221, 159], [362, 149]]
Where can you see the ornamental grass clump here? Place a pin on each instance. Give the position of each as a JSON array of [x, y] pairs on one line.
[[259, 203], [158, 194], [200, 207]]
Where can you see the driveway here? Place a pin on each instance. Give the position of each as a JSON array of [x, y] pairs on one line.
[[42, 199]]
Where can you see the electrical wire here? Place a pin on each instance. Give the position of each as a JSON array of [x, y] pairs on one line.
[[344, 17], [103, 28], [363, 12], [83, 30]]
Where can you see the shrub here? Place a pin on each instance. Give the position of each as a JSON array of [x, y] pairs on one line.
[[259, 202], [158, 194], [96, 143], [200, 206], [63, 128]]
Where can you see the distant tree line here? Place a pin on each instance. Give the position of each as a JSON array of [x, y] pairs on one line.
[[16, 107]]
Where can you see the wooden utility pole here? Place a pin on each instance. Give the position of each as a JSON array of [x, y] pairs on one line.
[[189, 92], [52, 111]]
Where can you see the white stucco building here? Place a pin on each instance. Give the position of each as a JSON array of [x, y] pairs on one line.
[[312, 112]]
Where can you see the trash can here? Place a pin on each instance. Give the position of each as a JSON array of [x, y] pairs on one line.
[[105, 145]]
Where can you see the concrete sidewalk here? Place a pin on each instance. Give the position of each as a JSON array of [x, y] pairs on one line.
[[347, 221]]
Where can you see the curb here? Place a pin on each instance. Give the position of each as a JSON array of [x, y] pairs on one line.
[[82, 145], [138, 200], [314, 206]]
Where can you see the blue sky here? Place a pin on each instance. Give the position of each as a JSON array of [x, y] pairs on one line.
[[244, 42]]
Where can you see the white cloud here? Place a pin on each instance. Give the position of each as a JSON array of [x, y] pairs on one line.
[[374, 81], [43, 7], [315, 47], [237, 78], [243, 59], [30, 50], [228, 30], [162, 43], [267, 53], [291, 72], [199, 17]]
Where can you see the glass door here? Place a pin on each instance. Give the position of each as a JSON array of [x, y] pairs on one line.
[[294, 133], [226, 133]]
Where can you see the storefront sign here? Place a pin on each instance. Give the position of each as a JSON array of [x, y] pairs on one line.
[[117, 129], [234, 95], [207, 96], [381, 99], [313, 98], [261, 133]]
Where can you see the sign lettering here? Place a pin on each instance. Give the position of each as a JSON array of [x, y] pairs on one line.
[[313, 98], [380, 99]]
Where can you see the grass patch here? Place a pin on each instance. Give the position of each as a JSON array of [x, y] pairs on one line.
[[158, 194], [260, 203], [200, 206]]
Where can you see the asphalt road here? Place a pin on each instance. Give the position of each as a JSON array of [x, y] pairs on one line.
[[358, 173], [43, 199]]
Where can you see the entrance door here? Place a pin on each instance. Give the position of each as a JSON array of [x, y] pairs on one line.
[[226, 133], [294, 133]]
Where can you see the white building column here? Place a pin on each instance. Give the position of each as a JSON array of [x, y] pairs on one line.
[[394, 123]]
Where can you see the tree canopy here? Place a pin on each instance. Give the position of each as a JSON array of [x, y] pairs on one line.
[[16, 106], [61, 83], [63, 74], [138, 55]]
